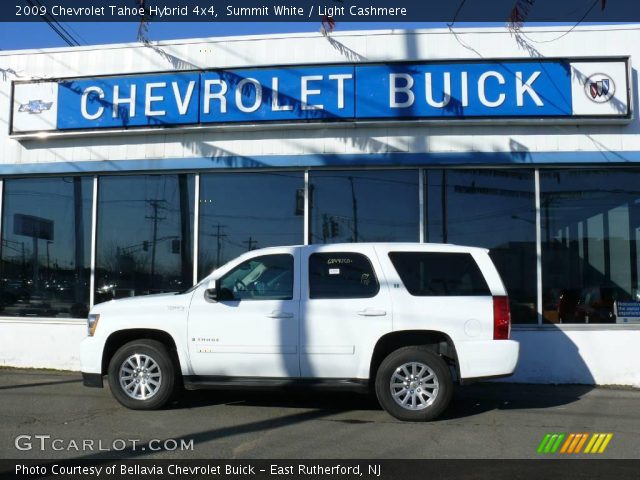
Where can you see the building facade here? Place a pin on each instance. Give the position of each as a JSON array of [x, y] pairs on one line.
[[137, 169]]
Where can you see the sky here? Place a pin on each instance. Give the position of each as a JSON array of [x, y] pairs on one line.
[[14, 36]]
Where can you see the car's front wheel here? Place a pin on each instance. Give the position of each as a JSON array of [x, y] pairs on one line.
[[414, 384], [142, 375]]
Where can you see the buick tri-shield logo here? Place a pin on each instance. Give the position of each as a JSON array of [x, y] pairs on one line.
[[600, 88], [35, 106]]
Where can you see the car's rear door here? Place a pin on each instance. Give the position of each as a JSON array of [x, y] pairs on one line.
[[344, 309]]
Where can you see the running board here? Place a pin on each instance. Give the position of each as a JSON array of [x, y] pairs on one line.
[[196, 382]]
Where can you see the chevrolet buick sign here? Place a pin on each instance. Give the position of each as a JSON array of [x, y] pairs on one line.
[[505, 90]]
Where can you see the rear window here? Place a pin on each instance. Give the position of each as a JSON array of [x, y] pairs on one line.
[[341, 275], [439, 274]]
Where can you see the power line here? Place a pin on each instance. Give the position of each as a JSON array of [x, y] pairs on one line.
[[84, 40], [55, 26], [565, 33]]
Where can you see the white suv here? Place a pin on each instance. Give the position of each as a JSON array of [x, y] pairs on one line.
[[402, 318]]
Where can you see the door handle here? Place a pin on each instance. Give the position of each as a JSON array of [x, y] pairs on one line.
[[280, 315], [372, 312]]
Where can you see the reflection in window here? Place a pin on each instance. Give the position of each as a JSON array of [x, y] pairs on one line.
[[244, 211], [268, 277], [145, 225], [438, 274], [341, 275], [590, 234], [494, 209], [46, 247], [364, 206]]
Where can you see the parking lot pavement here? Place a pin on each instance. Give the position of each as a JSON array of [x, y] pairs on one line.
[[491, 420]]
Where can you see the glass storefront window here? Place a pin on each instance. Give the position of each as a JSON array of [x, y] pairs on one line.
[[494, 209], [364, 206], [46, 247], [590, 231], [144, 235], [590, 244], [244, 211]]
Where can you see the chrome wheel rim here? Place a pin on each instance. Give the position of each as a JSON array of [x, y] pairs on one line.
[[414, 386], [140, 376]]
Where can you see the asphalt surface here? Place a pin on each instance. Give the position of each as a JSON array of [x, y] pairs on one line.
[[491, 420]]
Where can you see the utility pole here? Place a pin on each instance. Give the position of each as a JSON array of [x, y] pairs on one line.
[[155, 205], [218, 237], [251, 243]]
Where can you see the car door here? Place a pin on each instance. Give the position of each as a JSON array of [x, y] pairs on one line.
[[252, 330], [344, 309]]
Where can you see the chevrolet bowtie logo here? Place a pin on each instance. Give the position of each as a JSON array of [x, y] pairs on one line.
[[35, 106]]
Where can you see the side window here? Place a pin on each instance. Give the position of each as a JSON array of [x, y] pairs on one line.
[[439, 274], [341, 275], [269, 277]]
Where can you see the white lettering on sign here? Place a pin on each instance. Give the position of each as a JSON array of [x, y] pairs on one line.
[[481, 89], [306, 91], [208, 95], [394, 89], [149, 98], [401, 93], [446, 94], [83, 103], [239, 94], [183, 103], [341, 78], [522, 88], [117, 101], [464, 78], [275, 101]]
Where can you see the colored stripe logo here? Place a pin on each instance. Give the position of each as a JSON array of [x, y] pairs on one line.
[[573, 443]]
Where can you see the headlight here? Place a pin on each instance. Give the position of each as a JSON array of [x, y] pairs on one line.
[[92, 323]]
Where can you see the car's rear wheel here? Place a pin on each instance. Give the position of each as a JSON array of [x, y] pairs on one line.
[[414, 384], [142, 375]]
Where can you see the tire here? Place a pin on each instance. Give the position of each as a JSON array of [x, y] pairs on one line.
[[154, 387], [426, 367]]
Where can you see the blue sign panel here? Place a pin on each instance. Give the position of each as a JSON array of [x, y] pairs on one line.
[[153, 100], [258, 95], [504, 89], [628, 309], [515, 89]]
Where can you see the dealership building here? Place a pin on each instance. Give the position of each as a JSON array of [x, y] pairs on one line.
[[133, 169]]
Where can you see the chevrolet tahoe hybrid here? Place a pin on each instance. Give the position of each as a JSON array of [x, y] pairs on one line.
[[403, 320]]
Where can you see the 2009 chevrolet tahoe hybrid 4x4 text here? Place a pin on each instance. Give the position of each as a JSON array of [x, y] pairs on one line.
[[397, 317]]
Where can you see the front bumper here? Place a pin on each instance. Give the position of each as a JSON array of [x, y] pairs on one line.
[[487, 359]]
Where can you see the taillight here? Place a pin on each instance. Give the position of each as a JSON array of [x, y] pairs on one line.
[[501, 318]]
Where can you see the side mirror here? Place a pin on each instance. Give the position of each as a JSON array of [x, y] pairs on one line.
[[214, 294], [211, 292]]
